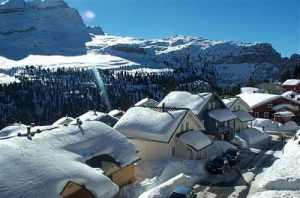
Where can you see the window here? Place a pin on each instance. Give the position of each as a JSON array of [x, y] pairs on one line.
[[187, 126], [239, 108], [214, 105], [182, 127], [209, 106], [173, 152], [266, 114], [269, 106], [203, 122], [234, 108]]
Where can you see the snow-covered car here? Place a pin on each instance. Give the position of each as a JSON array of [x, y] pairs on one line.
[[218, 164], [233, 155], [182, 192]]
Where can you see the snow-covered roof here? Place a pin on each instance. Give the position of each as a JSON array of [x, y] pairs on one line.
[[285, 114], [195, 139], [64, 120], [183, 99], [243, 116], [222, 115], [41, 165], [92, 116], [255, 99], [149, 124], [283, 105], [249, 89], [116, 113], [146, 100], [291, 82], [289, 93], [229, 101]]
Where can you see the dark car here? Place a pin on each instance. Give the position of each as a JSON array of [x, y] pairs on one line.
[[233, 155], [218, 164], [182, 192]]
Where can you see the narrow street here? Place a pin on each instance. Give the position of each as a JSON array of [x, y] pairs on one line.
[[236, 182]]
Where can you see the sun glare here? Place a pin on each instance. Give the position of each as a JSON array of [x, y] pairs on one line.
[[88, 15]]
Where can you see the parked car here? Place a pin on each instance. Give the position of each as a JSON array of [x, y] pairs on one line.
[[233, 155], [182, 192], [218, 164]]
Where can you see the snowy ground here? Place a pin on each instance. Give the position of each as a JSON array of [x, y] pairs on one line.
[[157, 178]]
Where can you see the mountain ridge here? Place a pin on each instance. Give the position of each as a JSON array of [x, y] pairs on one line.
[[51, 28]]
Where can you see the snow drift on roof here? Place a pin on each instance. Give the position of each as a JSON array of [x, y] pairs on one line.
[[41, 165], [195, 139], [183, 99], [146, 123]]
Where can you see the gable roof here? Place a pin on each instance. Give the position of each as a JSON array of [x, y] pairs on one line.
[[183, 99], [291, 82], [257, 99], [43, 164], [150, 124], [229, 102]]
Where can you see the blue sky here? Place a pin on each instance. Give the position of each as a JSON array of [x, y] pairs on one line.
[[273, 21]]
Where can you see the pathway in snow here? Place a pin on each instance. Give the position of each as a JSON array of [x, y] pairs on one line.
[[238, 180]]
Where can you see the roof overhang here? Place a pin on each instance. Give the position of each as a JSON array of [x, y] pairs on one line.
[[244, 116], [222, 115]]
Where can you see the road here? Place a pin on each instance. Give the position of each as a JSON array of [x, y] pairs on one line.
[[237, 181]]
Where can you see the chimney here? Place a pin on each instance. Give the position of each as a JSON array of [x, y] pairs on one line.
[[95, 113], [163, 107], [28, 131], [78, 121]]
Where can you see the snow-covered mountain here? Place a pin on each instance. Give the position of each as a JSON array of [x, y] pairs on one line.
[[32, 31], [41, 27]]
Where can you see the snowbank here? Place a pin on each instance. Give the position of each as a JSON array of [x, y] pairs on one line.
[[164, 189], [285, 172], [270, 125]]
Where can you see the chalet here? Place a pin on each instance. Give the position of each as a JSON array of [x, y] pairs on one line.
[[240, 108], [266, 105], [54, 161], [291, 85], [209, 108], [272, 88], [147, 102], [97, 116], [164, 133]]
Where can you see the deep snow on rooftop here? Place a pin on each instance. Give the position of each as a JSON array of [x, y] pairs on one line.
[[41, 165]]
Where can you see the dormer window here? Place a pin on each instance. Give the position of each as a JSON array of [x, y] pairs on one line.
[[269, 106], [209, 106]]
